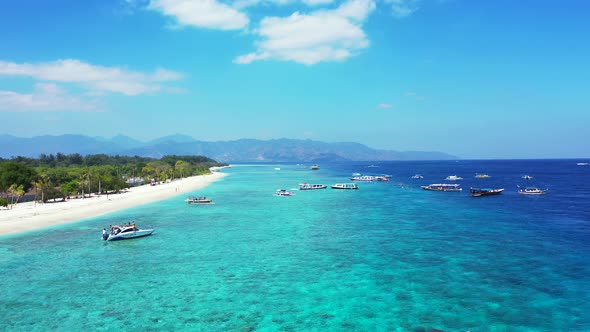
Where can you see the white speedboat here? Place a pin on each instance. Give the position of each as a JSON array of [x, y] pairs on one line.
[[442, 187], [417, 176], [345, 186], [527, 177], [453, 178], [126, 232], [531, 191], [363, 178]]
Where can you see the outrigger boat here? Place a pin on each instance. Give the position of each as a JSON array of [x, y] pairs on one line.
[[125, 232], [417, 176], [453, 178], [198, 200], [283, 192], [482, 176], [478, 192]]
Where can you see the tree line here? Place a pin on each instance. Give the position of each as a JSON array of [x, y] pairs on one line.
[[60, 176]]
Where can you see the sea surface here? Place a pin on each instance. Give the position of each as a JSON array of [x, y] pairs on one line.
[[387, 257]]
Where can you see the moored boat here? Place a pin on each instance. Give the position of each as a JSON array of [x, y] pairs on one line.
[[345, 186], [198, 200], [527, 177], [283, 192], [417, 176], [531, 191], [308, 186], [478, 192], [442, 187], [363, 178], [453, 178], [314, 167], [482, 176], [125, 232]]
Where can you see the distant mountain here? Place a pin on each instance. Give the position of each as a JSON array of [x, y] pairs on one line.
[[242, 150]]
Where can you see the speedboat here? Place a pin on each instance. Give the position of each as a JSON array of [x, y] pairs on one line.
[[531, 191], [582, 164], [453, 178], [125, 232], [199, 200], [314, 167], [283, 192], [307, 186], [479, 192], [527, 177], [442, 187], [345, 186], [482, 176], [417, 176], [363, 178]]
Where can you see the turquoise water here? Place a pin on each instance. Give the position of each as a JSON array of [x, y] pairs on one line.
[[383, 258]]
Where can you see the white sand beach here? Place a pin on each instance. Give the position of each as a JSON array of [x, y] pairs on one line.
[[34, 215]]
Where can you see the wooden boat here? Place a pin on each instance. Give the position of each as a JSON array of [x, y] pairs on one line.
[[479, 192]]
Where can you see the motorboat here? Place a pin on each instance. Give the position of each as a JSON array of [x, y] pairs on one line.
[[582, 164], [442, 187], [482, 176], [125, 232], [531, 191], [417, 176], [199, 200], [363, 178], [308, 186], [453, 178], [314, 167], [527, 177], [345, 186], [283, 192], [479, 192]]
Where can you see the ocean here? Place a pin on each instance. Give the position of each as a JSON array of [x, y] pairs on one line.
[[387, 257]]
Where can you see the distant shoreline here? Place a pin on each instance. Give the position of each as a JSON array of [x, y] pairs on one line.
[[32, 216]]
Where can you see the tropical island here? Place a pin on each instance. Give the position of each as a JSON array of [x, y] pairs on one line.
[[56, 189]]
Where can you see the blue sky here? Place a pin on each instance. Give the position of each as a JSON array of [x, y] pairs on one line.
[[477, 79]]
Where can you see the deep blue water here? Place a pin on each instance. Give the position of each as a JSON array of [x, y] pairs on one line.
[[388, 257]]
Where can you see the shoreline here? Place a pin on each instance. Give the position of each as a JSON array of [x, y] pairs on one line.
[[31, 216]]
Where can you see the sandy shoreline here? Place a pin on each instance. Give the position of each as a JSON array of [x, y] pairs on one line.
[[34, 216]]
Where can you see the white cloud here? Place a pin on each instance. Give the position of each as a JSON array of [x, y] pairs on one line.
[[316, 2], [202, 13], [324, 35], [45, 97], [403, 8], [92, 77], [384, 106]]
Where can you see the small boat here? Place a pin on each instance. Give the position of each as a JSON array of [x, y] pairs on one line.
[[277, 168], [345, 186], [582, 164], [283, 192], [308, 186], [478, 192], [356, 174], [198, 200], [532, 191], [363, 178], [125, 232], [482, 176], [417, 176], [314, 167], [442, 187], [527, 177], [453, 178]]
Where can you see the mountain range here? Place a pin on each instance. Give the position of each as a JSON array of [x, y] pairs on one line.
[[241, 150]]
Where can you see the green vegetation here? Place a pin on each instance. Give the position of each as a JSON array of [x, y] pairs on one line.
[[63, 176]]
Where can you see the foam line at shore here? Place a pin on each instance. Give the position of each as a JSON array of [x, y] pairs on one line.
[[31, 216]]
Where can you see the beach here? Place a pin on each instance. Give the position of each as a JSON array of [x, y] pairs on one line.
[[31, 216]]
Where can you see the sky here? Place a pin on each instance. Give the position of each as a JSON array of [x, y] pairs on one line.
[[496, 79]]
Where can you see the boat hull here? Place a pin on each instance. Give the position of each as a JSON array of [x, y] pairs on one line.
[[485, 192], [130, 235]]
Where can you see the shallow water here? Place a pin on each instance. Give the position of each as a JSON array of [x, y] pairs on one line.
[[388, 257]]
